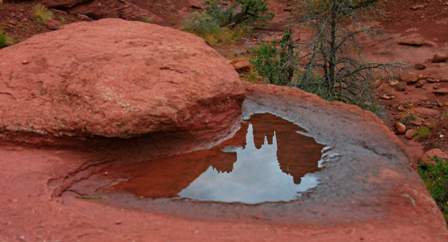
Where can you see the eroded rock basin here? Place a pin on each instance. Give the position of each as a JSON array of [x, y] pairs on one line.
[[268, 159], [366, 190]]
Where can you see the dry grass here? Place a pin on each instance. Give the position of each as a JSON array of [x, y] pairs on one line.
[[42, 14]]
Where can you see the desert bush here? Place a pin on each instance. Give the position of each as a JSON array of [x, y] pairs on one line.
[[222, 15], [239, 12], [3, 42], [42, 14], [422, 133], [436, 180], [226, 35], [251, 11], [218, 24], [334, 52], [276, 63], [251, 76], [201, 24], [205, 26], [5, 39]]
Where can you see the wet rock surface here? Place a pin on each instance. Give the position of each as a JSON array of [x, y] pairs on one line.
[[267, 159], [368, 190], [115, 79]]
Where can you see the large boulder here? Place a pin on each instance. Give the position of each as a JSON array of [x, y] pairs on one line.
[[115, 78]]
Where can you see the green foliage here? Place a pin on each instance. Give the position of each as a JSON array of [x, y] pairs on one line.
[[226, 35], [223, 25], [276, 64], [42, 14], [201, 24], [146, 19], [436, 180], [251, 76], [252, 11], [208, 28], [240, 12], [266, 61], [422, 133], [5, 40], [222, 16]]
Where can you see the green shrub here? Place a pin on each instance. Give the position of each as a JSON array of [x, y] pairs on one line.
[[266, 61], [203, 25], [240, 12], [222, 16], [251, 76], [251, 12], [436, 180], [226, 35], [223, 25], [42, 14], [276, 64], [422, 133], [5, 40]]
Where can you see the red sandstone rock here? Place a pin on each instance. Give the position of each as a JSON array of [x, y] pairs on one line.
[[98, 9], [116, 78], [419, 67], [241, 65], [441, 91], [415, 40], [400, 127], [63, 4], [427, 112], [410, 133], [370, 194], [428, 157], [439, 58]]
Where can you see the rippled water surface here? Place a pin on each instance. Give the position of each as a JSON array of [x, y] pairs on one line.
[[266, 160]]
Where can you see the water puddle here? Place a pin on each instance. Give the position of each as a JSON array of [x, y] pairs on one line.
[[267, 160]]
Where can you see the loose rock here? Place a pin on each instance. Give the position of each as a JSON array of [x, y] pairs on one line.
[[387, 97], [419, 67], [420, 84], [400, 127], [241, 65]]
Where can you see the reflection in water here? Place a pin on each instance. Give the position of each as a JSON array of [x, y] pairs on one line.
[[267, 160]]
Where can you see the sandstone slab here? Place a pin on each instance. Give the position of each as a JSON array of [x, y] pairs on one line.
[[367, 191]]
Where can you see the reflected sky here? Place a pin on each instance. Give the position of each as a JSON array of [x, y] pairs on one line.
[[256, 177], [268, 159]]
